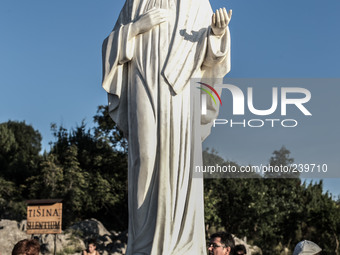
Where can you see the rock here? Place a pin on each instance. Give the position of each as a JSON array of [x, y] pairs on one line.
[[107, 242], [65, 242], [10, 234], [240, 241], [255, 250], [251, 249], [91, 228]]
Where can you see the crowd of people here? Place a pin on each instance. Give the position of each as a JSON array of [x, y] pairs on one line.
[[221, 243]]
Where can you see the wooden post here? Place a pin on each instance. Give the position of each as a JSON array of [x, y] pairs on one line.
[[55, 244]]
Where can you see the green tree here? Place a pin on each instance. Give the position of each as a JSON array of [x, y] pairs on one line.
[[257, 208], [19, 156], [321, 218], [7, 139], [74, 185], [103, 162], [108, 131], [19, 159], [11, 204], [48, 183], [281, 158]]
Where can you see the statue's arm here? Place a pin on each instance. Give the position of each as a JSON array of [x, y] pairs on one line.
[[147, 21], [218, 48], [216, 63], [142, 24], [119, 47], [220, 21]]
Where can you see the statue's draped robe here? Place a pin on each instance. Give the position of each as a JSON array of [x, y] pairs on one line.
[[148, 83]]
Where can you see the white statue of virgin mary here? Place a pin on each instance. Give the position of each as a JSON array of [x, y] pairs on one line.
[[154, 50]]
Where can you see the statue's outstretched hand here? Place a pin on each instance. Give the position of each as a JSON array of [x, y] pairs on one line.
[[220, 21], [148, 20]]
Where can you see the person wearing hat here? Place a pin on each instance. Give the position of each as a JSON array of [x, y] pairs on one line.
[[307, 247]]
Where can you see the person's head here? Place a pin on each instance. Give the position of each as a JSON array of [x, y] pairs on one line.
[[307, 247], [221, 243], [91, 245], [240, 250], [26, 247]]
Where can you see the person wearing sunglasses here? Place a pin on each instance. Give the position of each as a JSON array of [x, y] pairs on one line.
[[221, 243]]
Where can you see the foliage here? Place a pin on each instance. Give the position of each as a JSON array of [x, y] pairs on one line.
[[273, 213], [19, 153], [11, 204], [87, 168], [108, 131], [90, 174]]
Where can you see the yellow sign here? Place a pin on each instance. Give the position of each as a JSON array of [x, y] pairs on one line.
[[44, 219]]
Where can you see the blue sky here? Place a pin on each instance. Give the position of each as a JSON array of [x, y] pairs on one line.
[[50, 55]]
